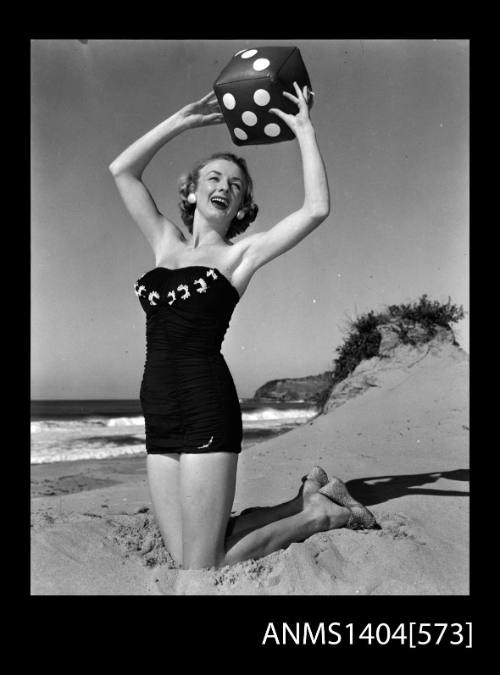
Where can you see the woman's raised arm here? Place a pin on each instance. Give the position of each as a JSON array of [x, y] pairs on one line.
[[128, 167], [264, 246]]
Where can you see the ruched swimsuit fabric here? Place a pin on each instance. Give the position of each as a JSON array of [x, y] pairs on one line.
[[188, 397]]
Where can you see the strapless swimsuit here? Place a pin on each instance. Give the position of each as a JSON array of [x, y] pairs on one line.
[[188, 397]]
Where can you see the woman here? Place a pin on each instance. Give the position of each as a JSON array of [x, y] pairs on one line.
[[190, 405]]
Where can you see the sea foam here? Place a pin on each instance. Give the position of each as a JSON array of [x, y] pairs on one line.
[[62, 439], [261, 417]]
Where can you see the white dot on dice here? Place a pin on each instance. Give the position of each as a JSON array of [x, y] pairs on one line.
[[229, 101], [272, 130], [249, 54], [249, 118], [261, 97], [261, 64], [239, 133]]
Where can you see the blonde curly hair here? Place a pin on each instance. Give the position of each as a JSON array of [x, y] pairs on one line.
[[189, 181]]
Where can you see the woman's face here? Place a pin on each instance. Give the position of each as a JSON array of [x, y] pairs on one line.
[[220, 190]]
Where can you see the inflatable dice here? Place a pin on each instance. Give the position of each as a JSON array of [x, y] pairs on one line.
[[254, 81]]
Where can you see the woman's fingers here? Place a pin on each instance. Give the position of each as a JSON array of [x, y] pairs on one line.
[[302, 97], [291, 97], [215, 118], [299, 92], [279, 113], [207, 97], [208, 104]]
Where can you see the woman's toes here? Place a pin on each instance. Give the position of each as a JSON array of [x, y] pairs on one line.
[[361, 517], [314, 480], [319, 475]]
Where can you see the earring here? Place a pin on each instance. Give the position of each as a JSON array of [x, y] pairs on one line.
[[241, 214], [191, 198]]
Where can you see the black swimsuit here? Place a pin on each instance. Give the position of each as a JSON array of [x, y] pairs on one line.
[[188, 396]]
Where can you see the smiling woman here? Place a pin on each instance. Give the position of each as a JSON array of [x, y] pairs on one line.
[[189, 400], [227, 179]]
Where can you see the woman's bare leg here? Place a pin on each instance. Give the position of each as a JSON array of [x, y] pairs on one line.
[[252, 518], [207, 488], [163, 477], [318, 515], [258, 516], [207, 483]]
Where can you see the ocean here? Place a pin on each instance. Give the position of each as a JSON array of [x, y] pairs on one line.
[[71, 430]]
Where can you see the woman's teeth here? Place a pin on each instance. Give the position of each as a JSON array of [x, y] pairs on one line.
[[219, 202]]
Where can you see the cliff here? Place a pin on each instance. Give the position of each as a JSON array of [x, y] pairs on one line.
[[310, 389], [389, 340]]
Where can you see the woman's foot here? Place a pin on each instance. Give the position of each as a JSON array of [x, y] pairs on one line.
[[314, 480], [311, 483], [360, 517], [323, 513]]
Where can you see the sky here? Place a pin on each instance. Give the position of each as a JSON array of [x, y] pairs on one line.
[[392, 123]]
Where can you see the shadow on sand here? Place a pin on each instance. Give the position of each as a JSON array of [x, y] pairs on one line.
[[377, 489]]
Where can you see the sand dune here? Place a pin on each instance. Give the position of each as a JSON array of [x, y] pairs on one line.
[[396, 431]]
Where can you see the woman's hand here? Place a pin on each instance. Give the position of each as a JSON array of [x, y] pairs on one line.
[[202, 113], [301, 120]]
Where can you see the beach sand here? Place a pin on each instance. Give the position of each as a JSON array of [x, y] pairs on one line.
[[397, 435]]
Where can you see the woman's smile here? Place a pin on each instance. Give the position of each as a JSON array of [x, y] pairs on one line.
[[221, 184], [220, 202]]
